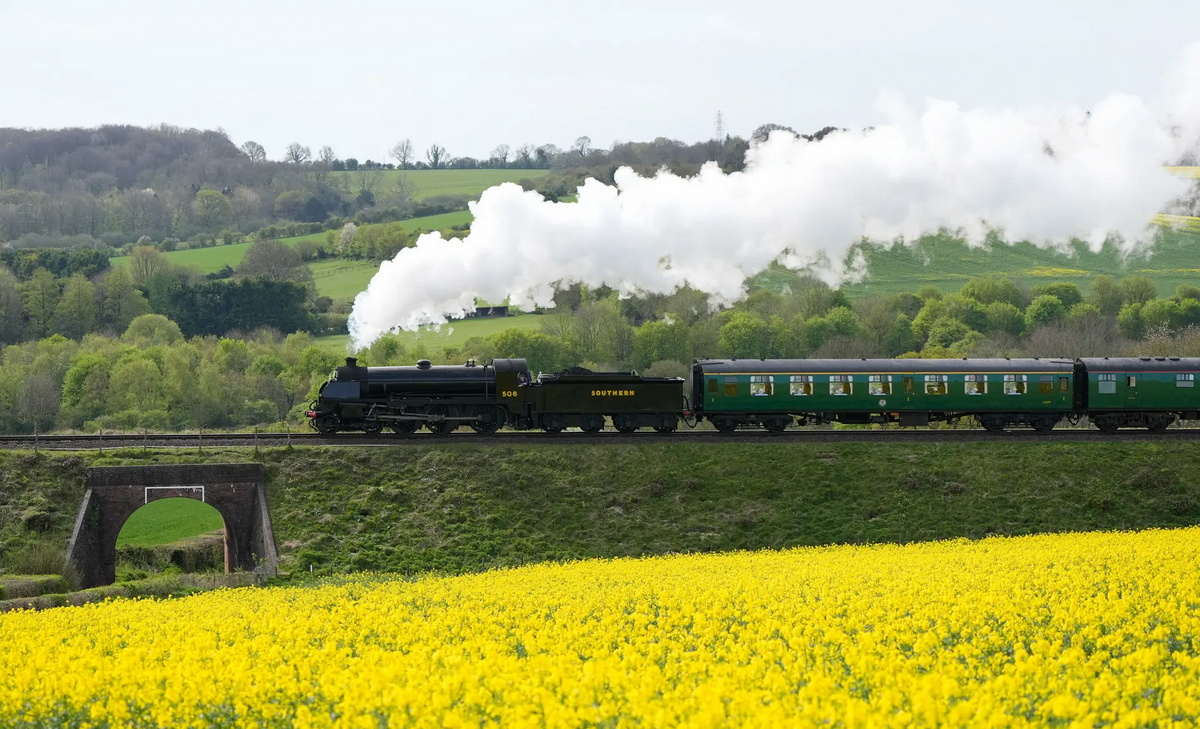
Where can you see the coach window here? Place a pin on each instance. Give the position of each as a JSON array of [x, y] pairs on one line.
[[908, 385], [760, 385], [1015, 384], [936, 384], [1185, 380], [801, 384], [975, 384], [1045, 384], [731, 386], [1106, 383], [880, 384], [1131, 381], [841, 384], [712, 386], [1064, 384]]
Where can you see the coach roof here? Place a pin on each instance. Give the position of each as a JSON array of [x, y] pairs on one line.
[[1141, 364], [919, 366]]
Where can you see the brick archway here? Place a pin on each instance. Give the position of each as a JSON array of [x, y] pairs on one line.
[[235, 490]]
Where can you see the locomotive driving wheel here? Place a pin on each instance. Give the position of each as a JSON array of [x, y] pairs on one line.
[[405, 427], [490, 420]]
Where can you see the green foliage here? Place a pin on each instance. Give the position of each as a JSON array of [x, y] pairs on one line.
[[995, 289], [212, 209], [216, 307], [1005, 318], [1106, 295], [655, 341], [745, 335], [1065, 291], [1138, 289], [1043, 310], [543, 353], [1129, 321]]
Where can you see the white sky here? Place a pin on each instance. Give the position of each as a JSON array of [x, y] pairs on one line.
[[472, 74]]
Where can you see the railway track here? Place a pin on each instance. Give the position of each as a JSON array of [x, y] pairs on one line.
[[200, 441]]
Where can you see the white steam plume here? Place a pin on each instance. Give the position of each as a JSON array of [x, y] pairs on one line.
[[1042, 176]]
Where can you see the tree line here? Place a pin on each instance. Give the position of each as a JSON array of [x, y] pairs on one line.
[[158, 373]]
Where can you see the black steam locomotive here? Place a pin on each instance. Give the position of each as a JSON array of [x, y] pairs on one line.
[[486, 398]]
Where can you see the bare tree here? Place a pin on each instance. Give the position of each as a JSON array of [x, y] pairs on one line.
[[582, 145], [403, 152], [38, 400], [524, 158], [436, 154], [326, 156], [255, 151], [297, 154], [500, 155]]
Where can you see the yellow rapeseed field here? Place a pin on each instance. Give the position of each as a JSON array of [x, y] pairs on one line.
[[1071, 630]]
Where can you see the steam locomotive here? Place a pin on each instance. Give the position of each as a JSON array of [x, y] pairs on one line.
[[770, 394]]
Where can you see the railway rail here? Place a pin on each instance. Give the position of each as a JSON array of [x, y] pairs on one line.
[[200, 441]]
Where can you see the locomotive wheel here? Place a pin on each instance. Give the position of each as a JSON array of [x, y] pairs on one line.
[[1107, 426], [441, 427], [405, 427], [491, 421], [553, 428], [372, 427], [664, 429], [326, 426]]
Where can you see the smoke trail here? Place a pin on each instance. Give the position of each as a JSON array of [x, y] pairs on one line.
[[1044, 176]]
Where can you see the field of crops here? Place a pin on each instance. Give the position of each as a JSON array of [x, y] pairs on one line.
[[169, 520], [1085, 630]]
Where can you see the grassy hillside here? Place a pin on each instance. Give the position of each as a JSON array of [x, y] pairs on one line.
[[460, 508], [429, 183]]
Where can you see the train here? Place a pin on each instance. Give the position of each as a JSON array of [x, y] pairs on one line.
[[764, 394]]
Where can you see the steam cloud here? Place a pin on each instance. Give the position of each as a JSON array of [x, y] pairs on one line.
[[1040, 175]]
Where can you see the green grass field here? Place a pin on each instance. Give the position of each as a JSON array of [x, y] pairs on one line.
[[453, 334], [169, 520], [429, 183], [341, 278]]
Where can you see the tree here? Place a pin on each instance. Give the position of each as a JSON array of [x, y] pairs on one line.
[[297, 154], [1066, 292], [326, 156], [403, 152], [122, 302], [1106, 294], [655, 341], [582, 145], [1005, 318], [38, 400], [76, 312], [145, 263], [1043, 310], [745, 335], [436, 154], [524, 158], [764, 132], [274, 261], [151, 330], [290, 204], [254, 151], [12, 309], [990, 289], [41, 295], [1138, 289], [500, 156], [213, 210]]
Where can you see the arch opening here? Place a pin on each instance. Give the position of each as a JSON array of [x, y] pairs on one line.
[[175, 534]]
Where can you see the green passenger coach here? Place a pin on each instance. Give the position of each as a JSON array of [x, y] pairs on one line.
[[773, 393], [1141, 392]]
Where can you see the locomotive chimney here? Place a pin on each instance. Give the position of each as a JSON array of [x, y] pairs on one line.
[[352, 361]]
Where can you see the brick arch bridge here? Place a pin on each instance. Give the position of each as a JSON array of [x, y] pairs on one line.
[[235, 490]]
